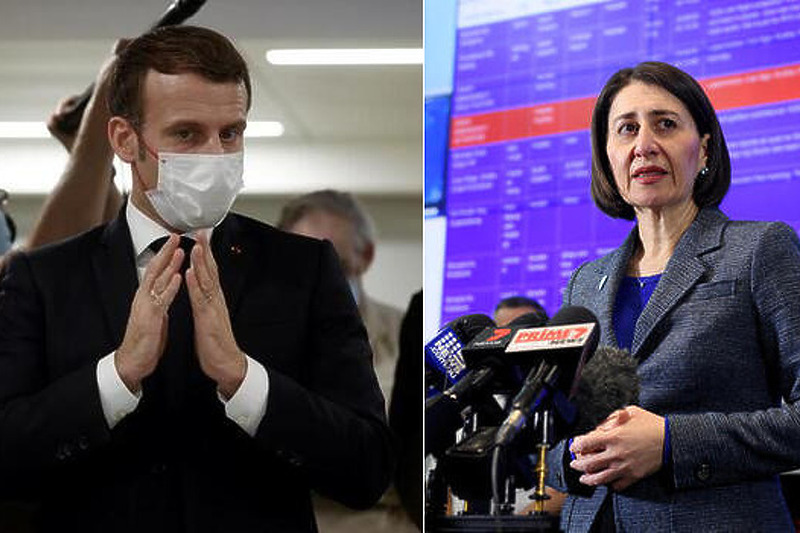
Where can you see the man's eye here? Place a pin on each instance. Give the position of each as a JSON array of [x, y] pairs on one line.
[[183, 135], [230, 135]]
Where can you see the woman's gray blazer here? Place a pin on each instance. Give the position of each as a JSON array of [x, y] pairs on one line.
[[718, 349]]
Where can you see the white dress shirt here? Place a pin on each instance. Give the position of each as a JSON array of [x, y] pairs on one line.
[[247, 405]]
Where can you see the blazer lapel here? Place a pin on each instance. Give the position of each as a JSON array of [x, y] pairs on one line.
[[231, 254], [683, 271], [115, 271], [608, 279]]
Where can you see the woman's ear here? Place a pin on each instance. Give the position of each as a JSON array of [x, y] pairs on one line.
[[704, 150]]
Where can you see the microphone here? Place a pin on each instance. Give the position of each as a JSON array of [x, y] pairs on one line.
[[608, 382], [443, 358], [488, 350], [564, 346]]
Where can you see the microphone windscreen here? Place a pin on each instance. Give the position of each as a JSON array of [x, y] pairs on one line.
[[608, 382]]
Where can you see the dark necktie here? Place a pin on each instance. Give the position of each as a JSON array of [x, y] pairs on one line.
[[181, 380], [185, 244]]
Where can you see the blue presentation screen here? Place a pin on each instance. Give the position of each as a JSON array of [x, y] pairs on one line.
[[519, 216]]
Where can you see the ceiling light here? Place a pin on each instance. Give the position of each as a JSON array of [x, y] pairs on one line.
[[23, 130], [346, 56], [263, 129]]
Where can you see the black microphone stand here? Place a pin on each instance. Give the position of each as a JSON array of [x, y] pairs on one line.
[[503, 482]]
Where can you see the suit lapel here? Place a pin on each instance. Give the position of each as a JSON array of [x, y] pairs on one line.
[[231, 254], [683, 271], [115, 271]]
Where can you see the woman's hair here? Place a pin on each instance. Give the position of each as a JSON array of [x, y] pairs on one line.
[[710, 189]]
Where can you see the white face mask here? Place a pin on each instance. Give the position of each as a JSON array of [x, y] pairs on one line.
[[196, 191]]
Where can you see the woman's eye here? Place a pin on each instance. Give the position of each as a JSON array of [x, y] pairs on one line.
[[627, 128], [667, 123]]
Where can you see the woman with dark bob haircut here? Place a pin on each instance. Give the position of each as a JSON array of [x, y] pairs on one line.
[[710, 310]]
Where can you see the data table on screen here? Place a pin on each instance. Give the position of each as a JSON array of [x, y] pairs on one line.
[[519, 213]]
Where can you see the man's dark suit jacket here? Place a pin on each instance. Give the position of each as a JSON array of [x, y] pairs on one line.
[[178, 463]]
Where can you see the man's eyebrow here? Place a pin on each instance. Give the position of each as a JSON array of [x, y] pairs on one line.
[[181, 123], [239, 124], [193, 124]]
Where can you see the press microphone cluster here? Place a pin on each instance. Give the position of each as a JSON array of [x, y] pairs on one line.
[[554, 368]]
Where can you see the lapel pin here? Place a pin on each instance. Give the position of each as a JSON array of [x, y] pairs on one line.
[[602, 283], [236, 249]]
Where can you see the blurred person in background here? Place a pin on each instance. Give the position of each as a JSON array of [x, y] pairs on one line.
[[338, 217], [514, 306]]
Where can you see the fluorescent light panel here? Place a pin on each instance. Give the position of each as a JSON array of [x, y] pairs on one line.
[[23, 130], [263, 129], [38, 130], [346, 56]]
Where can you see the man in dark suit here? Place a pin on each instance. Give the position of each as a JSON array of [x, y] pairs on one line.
[[151, 382]]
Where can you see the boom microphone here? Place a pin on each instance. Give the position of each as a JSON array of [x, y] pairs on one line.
[[179, 11]]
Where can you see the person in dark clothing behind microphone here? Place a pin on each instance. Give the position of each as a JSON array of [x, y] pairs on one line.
[[707, 306]]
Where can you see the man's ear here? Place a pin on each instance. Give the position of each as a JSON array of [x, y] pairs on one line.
[[123, 139], [366, 257]]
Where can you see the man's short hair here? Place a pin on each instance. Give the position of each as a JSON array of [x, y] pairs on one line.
[[173, 50], [515, 302], [338, 203]]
